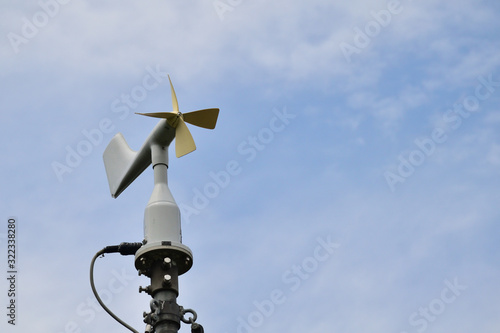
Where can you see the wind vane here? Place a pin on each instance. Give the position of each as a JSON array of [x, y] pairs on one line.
[[161, 256]]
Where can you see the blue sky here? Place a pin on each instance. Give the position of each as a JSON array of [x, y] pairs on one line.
[[366, 140]]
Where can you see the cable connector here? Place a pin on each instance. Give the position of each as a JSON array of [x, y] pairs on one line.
[[124, 248]]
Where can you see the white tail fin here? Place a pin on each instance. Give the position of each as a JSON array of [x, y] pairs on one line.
[[118, 158]]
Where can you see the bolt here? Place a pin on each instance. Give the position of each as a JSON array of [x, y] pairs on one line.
[[167, 263], [167, 280], [147, 289]]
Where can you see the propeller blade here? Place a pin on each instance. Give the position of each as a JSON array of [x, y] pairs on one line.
[[206, 118], [184, 143], [175, 104], [164, 115]]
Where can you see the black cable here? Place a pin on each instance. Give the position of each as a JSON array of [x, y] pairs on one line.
[[123, 249]]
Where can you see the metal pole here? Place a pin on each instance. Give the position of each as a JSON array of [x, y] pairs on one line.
[[162, 257], [165, 315]]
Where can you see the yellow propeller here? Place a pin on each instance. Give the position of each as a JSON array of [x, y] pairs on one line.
[[184, 143]]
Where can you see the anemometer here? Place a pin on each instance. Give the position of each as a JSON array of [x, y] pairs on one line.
[[161, 256]]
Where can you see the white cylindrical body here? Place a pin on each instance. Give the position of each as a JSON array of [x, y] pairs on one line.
[[162, 217], [162, 222]]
